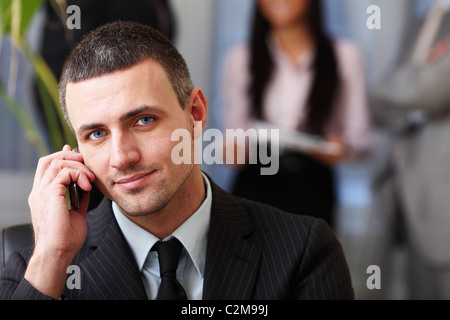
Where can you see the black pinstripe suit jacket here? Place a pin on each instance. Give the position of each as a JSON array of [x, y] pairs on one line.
[[254, 252]]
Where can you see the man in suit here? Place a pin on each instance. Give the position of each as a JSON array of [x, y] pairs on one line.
[[412, 103], [124, 90]]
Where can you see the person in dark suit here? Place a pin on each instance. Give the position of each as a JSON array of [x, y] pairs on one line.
[[125, 90]]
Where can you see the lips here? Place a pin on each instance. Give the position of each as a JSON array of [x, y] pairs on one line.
[[134, 181]]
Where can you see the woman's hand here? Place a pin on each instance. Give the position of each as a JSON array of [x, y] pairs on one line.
[[331, 159]]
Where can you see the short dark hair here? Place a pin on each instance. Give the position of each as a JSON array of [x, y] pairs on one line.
[[120, 45]]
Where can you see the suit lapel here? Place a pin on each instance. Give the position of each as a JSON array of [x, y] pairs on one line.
[[232, 262], [110, 270]]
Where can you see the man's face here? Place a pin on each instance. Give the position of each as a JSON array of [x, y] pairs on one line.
[[123, 123]]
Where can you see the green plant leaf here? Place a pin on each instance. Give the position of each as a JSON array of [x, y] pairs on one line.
[[32, 133], [15, 19], [28, 9], [48, 87]]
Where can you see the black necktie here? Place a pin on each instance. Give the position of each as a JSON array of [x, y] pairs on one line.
[[168, 256]]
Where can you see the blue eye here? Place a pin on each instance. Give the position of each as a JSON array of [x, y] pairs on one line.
[[97, 134], [145, 120]]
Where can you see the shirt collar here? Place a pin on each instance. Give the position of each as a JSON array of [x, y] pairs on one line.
[[192, 233], [303, 61]]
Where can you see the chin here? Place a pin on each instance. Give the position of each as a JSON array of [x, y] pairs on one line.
[[142, 204]]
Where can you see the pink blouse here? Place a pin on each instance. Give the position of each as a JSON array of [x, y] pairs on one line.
[[287, 93]]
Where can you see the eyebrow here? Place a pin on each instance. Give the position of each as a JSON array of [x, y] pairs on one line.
[[123, 117]]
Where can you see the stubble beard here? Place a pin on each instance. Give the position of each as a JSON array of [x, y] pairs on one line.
[[146, 202]]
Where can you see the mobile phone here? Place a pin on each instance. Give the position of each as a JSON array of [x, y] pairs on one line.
[[75, 192]]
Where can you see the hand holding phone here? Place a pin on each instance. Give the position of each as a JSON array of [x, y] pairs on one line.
[[59, 231], [75, 192]]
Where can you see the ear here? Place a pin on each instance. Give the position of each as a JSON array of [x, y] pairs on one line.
[[198, 108]]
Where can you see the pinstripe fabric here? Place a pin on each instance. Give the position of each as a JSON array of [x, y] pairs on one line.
[[253, 252], [107, 266], [259, 252]]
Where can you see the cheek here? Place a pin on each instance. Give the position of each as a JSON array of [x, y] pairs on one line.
[[177, 136], [97, 164], [166, 152]]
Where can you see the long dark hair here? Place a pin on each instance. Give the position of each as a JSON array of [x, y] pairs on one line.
[[326, 78]]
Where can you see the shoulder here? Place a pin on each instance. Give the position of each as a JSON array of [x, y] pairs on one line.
[[245, 216], [237, 55], [239, 50], [347, 52], [275, 224], [269, 226], [302, 246], [236, 73], [345, 47], [12, 282]]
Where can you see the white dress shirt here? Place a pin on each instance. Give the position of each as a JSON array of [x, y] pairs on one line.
[[192, 234]]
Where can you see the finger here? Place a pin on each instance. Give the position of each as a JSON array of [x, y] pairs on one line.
[[67, 148], [46, 161], [51, 198], [57, 165], [69, 175], [65, 175]]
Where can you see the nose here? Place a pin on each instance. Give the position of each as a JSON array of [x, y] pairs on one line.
[[124, 151]]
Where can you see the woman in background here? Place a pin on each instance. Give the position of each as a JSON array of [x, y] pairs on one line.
[[292, 76]]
